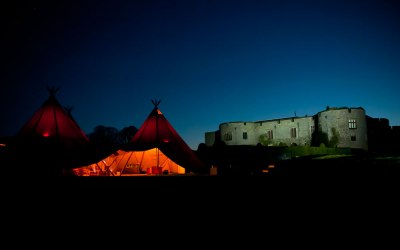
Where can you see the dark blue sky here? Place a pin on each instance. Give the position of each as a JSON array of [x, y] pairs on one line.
[[208, 61]]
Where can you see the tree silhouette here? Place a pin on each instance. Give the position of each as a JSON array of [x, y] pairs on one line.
[[126, 134], [104, 140]]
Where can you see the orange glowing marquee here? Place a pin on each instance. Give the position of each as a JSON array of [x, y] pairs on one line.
[[152, 161]]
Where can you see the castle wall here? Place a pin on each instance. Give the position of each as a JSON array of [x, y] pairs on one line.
[[238, 133], [349, 123], [287, 131]]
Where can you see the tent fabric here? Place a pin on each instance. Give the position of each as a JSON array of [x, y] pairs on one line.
[[52, 121], [143, 161], [157, 132], [52, 140], [132, 162]]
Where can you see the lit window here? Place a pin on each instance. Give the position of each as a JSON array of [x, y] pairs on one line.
[[245, 135], [352, 124], [293, 133]]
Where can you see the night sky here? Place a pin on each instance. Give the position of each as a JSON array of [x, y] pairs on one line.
[[208, 61]]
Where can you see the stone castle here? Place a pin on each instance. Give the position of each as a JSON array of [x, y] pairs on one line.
[[338, 127]]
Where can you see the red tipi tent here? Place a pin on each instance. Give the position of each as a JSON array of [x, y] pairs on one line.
[[157, 132], [51, 141]]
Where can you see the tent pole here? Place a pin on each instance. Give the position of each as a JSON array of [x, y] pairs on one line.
[[158, 157], [157, 142]]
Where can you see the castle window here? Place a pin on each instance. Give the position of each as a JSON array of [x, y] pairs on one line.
[[228, 136], [352, 124], [260, 123], [292, 119], [270, 135], [312, 129], [293, 133], [279, 121], [353, 138], [244, 123], [244, 135]]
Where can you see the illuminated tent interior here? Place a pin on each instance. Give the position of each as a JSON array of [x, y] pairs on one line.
[[132, 163], [52, 140], [154, 148]]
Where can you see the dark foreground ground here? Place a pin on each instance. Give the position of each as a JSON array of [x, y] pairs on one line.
[[328, 200], [290, 175], [347, 176], [334, 192]]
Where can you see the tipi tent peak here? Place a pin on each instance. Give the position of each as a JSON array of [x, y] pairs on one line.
[[156, 102]]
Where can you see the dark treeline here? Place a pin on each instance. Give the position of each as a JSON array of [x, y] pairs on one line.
[[106, 140]]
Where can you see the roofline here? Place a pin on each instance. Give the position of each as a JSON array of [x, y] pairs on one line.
[[339, 108], [295, 117], [271, 120]]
